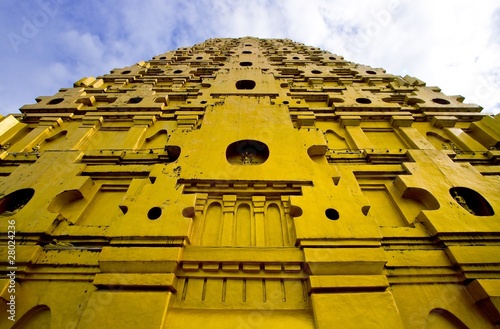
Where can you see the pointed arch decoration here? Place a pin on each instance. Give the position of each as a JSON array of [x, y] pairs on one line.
[[440, 318], [36, 318]]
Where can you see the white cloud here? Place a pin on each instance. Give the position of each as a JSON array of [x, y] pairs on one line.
[[451, 44]]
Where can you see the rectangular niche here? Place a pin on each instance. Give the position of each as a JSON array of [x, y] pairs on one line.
[[107, 139], [62, 138], [385, 139], [103, 208], [382, 209], [116, 137]]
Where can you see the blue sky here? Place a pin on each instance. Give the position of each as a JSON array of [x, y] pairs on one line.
[[49, 44]]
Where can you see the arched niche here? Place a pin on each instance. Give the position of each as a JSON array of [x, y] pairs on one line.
[[63, 199], [274, 226], [471, 201], [211, 225], [244, 224], [440, 318], [156, 140], [412, 101], [67, 204], [54, 140], [173, 152], [247, 152], [439, 142], [36, 318], [16, 200], [317, 153], [335, 140], [423, 196]]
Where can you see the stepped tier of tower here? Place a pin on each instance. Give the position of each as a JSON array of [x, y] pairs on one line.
[[250, 183]]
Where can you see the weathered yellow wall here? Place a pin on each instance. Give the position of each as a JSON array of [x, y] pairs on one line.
[[248, 183]]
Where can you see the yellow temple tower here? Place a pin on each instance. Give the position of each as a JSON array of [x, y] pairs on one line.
[[250, 183]]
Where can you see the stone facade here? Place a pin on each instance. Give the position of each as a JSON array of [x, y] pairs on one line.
[[250, 183]]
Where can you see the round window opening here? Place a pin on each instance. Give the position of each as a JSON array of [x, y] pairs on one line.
[[55, 101], [15, 201], [371, 72], [441, 101], [472, 201], [363, 100], [332, 214], [246, 64], [247, 152], [245, 84], [247, 52], [177, 71], [135, 100], [316, 72], [154, 213]]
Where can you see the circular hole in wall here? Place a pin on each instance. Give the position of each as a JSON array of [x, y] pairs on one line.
[[471, 201], [441, 101], [199, 57], [286, 102], [246, 52], [247, 152], [16, 200], [295, 57], [362, 100], [246, 64], [245, 84], [154, 213], [316, 72], [126, 72], [135, 100], [55, 101], [332, 58], [332, 214], [371, 72], [177, 71]]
